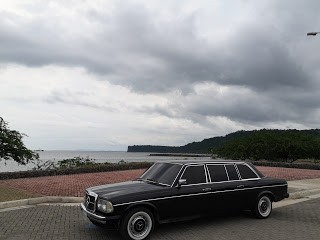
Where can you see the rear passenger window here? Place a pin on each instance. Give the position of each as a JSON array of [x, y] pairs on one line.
[[246, 172], [194, 174], [217, 173], [232, 173]]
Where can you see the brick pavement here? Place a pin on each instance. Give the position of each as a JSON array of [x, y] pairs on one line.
[[74, 185], [70, 185], [294, 222], [289, 174]]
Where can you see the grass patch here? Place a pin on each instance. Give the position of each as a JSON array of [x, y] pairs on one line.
[[11, 194]]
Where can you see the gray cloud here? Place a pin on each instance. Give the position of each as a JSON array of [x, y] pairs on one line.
[[132, 48], [77, 99], [268, 62]]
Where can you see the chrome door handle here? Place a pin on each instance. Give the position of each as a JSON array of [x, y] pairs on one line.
[[240, 186], [206, 189]]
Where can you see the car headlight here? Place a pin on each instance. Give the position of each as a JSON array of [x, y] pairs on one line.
[[105, 206]]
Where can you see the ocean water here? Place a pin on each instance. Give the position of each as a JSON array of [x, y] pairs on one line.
[[97, 156]]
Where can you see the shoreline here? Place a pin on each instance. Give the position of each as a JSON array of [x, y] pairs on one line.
[[179, 155]]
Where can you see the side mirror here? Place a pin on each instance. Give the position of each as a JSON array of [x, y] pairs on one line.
[[182, 182]]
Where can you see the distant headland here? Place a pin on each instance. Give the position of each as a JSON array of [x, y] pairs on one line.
[[271, 144]]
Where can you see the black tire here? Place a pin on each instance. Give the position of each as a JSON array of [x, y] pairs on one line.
[[262, 207], [137, 224]]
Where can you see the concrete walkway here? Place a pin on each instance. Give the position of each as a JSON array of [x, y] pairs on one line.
[[294, 222], [300, 191]]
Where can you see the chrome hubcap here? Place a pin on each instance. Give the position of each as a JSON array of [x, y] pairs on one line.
[[139, 225], [264, 206]]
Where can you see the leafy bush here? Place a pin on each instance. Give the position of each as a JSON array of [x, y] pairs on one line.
[[90, 168], [288, 165]]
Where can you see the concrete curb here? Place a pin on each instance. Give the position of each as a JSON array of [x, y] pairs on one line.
[[39, 200], [303, 194]]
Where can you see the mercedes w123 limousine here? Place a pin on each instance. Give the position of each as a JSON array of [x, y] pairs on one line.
[[172, 191]]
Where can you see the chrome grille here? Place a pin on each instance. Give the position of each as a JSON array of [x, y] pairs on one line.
[[90, 201]]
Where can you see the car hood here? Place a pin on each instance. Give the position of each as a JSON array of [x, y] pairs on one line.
[[117, 191]]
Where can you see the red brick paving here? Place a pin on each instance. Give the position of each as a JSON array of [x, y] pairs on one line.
[[289, 174], [70, 185], [74, 185]]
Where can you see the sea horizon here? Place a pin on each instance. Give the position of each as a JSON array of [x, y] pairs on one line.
[[96, 156]]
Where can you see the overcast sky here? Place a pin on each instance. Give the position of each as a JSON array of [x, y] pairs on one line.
[[102, 75]]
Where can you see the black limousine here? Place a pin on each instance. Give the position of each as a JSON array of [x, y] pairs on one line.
[[171, 191]]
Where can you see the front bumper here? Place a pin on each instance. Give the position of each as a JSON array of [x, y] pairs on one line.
[[98, 217]]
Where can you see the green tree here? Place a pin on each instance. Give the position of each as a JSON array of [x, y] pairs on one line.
[[12, 146], [274, 145]]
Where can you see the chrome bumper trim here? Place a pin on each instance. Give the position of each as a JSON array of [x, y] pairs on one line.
[[93, 215]]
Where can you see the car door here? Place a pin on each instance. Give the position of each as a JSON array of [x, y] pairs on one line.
[[189, 199], [249, 180], [226, 188]]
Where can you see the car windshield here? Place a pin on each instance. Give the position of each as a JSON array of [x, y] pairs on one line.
[[161, 173]]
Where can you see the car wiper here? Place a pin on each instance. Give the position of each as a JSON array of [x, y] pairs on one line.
[[152, 180], [149, 180]]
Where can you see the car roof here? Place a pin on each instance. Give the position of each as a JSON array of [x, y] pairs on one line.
[[208, 161]]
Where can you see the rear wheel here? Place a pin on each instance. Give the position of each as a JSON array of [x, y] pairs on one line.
[[137, 224], [263, 207]]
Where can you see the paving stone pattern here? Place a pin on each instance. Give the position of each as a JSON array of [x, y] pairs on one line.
[[289, 174], [74, 185], [294, 222], [70, 185]]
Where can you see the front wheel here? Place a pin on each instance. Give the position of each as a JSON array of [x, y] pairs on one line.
[[263, 207], [137, 224]]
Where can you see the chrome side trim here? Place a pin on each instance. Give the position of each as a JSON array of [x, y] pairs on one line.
[[83, 208], [225, 168], [208, 173], [147, 170], [216, 163], [240, 179], [204, 169], [177, 176], [195, 194], [252, 169], [205, 172], [169, 162], [213, 162], [237, 170]]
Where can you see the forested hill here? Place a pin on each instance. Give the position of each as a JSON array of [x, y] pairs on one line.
[[265, 137]]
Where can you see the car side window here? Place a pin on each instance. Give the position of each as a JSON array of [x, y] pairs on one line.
[[246, 172], [232, 172], [194, 174], [217, 173]]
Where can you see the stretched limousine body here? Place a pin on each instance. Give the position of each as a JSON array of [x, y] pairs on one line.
[[171, 191]]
